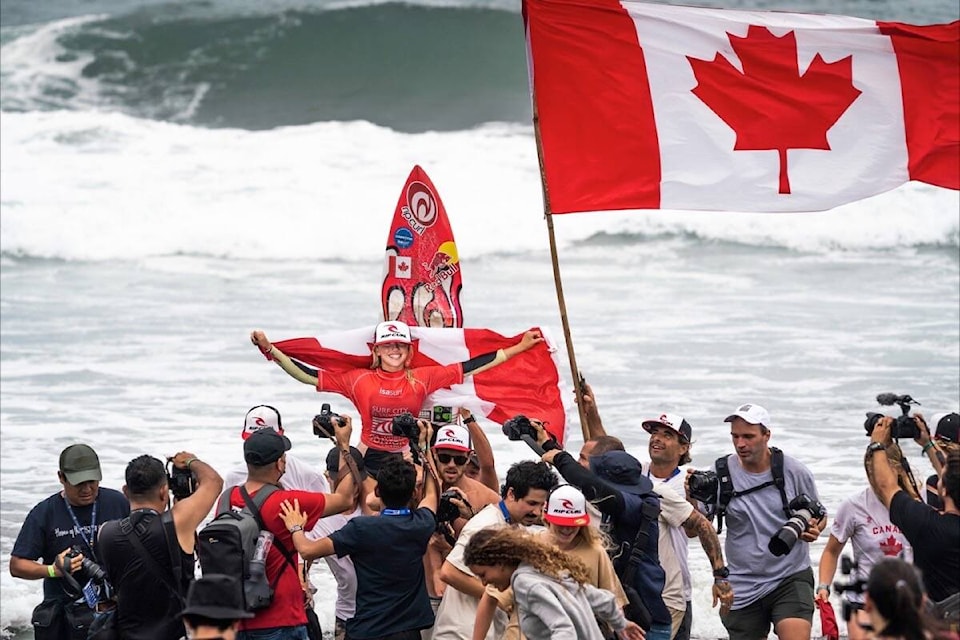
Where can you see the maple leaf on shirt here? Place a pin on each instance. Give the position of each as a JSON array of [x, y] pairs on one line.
[[770, 104], [891, 547]]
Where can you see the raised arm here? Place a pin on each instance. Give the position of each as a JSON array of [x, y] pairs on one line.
[[594, 423], [191, 511], [481, 445], [486, 361], [881, 475], [297, 371], [928, 445], [345, 496]]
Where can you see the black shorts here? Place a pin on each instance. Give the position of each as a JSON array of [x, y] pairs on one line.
[[793, 598], [373, 459]]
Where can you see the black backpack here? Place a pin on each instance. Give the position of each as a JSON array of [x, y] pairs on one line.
[[228, 543], [727, 492]]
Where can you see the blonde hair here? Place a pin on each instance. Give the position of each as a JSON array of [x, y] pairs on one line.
[[508, 546]]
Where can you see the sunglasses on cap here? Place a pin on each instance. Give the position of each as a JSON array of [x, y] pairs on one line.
[[445, 458]]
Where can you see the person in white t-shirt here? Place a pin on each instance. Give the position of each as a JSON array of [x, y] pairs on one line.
[[864, 521]]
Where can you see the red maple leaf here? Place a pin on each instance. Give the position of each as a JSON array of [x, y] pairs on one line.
[[891, 547], [402, 266], [770, 105]]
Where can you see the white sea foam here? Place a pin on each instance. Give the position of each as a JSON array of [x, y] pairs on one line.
[[98, 186]]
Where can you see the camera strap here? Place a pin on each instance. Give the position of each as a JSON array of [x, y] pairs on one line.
[[132, 533], [727, 492], [93, 525]]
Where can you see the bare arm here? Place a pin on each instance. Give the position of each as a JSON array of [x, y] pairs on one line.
[[698, 525], [190, 512], [928, 445], [594, 423], [295, 520], [828, 566], [302, 374], [431, 482], [881, 475], [462, 582], [344, 498], [27, 569], [488, 470]]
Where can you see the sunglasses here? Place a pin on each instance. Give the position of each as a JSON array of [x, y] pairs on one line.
[[445, 458]]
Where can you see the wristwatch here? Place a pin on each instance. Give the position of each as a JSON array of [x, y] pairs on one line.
[[722, 572], [875, 446]]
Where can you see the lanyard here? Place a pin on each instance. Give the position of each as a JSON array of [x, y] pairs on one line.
[[76, 523], [506, 514], [669, 477], [395, 512]]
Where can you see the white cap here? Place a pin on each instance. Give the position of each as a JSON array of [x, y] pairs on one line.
[[671, 421], [566, 507], [262, 416], [392, 331], [752, 413], [453, 436]]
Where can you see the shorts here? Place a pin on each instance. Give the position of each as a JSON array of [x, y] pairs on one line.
[[373, 459], [793, 598]]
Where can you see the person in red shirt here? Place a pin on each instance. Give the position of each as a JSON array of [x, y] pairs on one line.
[[390, 387], [265, 453]]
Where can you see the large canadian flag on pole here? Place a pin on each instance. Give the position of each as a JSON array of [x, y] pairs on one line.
[[528, 384], [643, 106]]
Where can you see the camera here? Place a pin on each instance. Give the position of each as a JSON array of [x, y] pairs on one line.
[[323, 422], [405, 425], [517, 427], [181, 482], [446, 510], [904, 425], [803, 509], [852, 584], [704, 486], [89, 570]]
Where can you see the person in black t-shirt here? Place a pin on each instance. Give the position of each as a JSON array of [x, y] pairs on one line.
[[67, 519], [935, 536]]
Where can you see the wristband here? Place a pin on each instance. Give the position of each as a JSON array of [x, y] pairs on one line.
[[295, 528], [189, 462], [823, 587], [928, 446], [550, 445], [469, 420], [51, 571]]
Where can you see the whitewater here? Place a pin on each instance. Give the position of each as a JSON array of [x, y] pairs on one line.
[[174, 176]]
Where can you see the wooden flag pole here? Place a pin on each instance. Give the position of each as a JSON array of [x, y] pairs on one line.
[[574, 371]]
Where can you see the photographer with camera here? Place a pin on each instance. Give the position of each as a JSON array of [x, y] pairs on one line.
[[934, 535], [769, 500], [460, 498], [947, 426], [62, 525], [386, 549], [148, 555], [863, 521]]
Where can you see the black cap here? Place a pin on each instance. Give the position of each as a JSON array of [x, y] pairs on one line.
[[333, 460], [621, 470], [216, 596], [948, 427], [264, 447]]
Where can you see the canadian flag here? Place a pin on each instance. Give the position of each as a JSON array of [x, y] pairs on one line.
[[401, 267], [528, 383], [643, 106]]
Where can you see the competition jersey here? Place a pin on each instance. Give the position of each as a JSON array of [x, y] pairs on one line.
[[380, 395]]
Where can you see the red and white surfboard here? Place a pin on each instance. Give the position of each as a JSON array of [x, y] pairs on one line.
[[421, 275]]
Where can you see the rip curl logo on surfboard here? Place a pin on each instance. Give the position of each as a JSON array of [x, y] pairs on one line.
[[421, 208]]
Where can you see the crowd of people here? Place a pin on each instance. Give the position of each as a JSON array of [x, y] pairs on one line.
[[425, 543]]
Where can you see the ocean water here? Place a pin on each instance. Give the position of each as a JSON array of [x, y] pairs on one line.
[[174, 175]]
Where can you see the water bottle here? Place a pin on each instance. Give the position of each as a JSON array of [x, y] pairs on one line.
[[257, 588]]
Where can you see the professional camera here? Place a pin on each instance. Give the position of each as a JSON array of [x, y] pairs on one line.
[[405, 425], [323, 422], [181, 482], [704, 486], [89, 570], [904, 425], [852, 584], [803, 509], [446, 510], [517, 427]]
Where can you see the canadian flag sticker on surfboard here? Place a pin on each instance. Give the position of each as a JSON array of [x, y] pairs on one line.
[[421, 276]]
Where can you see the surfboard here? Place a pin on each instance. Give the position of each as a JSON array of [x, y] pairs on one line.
[[421, 274], [421, 268]]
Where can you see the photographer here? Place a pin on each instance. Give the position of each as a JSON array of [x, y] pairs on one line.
[[947, 426], [387, 551], [935, 536], [66, 521], [460, 498], [149, 555], [771, 505]]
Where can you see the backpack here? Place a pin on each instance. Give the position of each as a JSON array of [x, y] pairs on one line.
[[727, 491], [228, 543]]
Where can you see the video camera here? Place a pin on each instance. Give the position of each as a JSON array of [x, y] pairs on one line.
[[519, 427], [323, 422], [181, 482], [803, 509], [904, 426]]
